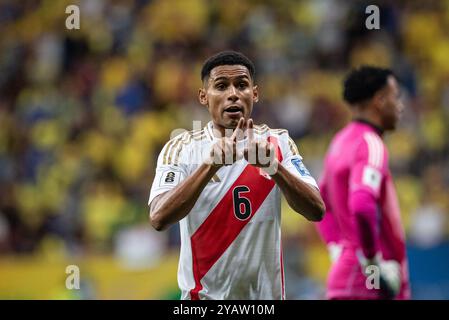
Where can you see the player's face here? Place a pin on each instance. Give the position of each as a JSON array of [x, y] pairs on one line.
[[392, 107], [229, 94]]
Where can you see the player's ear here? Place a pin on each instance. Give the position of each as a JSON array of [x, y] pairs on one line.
[[379, 99], [202, 96], [255, 94]]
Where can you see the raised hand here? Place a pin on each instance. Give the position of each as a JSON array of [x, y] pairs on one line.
[[259, 153], [224, 151]]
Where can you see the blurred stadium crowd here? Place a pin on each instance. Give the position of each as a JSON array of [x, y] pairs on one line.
[[84, 113]]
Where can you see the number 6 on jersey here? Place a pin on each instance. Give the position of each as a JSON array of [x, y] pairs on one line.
[[242, 205]]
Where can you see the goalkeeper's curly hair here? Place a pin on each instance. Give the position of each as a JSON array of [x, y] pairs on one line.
[[362, 83]]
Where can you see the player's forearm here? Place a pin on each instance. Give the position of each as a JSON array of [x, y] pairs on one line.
[[301, 197], [177, 203], [363, 207]]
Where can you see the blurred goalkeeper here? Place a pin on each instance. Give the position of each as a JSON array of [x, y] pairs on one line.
[[362, 225]]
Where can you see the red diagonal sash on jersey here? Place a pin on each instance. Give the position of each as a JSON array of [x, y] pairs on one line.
[[221, 227], [274, 141]]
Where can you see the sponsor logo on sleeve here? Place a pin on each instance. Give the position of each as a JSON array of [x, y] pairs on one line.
[[372, 178], [169, 178], [300, 167]]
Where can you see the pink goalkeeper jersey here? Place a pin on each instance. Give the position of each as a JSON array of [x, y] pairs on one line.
[[357, 161]]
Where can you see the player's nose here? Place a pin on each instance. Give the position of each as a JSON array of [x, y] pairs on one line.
[[232, 94]]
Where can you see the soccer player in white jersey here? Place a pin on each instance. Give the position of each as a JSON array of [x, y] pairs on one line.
[[228, 199]]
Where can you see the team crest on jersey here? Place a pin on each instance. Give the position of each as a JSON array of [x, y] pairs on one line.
[[169, 178], [300, 167]]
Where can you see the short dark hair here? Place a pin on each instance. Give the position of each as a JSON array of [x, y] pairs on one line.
[[227, 58], [362, 84]]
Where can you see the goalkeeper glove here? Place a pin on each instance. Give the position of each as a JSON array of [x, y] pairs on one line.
[[334, 250], [390, 273]]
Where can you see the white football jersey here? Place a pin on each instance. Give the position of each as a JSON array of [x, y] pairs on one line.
[[231, 239]]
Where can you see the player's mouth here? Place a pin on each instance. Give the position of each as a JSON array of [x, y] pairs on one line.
[[234, 111]]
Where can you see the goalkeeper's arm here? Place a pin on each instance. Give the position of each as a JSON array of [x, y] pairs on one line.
[[364, 208], [328, 228]]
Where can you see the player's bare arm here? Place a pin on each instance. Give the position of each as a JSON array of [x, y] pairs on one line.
[[301, 197], [173, 205]]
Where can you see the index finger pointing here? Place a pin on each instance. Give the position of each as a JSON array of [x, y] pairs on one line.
[[250, 130], [238, 129]]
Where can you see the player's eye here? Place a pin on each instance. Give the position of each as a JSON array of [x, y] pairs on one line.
[[220, 86], [242, 85]]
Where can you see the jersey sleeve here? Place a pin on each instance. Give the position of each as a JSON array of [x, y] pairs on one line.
[[293, 161], [366, 176], [172, 167], [369, 166]]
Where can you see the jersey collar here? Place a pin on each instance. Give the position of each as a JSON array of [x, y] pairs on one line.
[[209, 129], [376, 128]]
